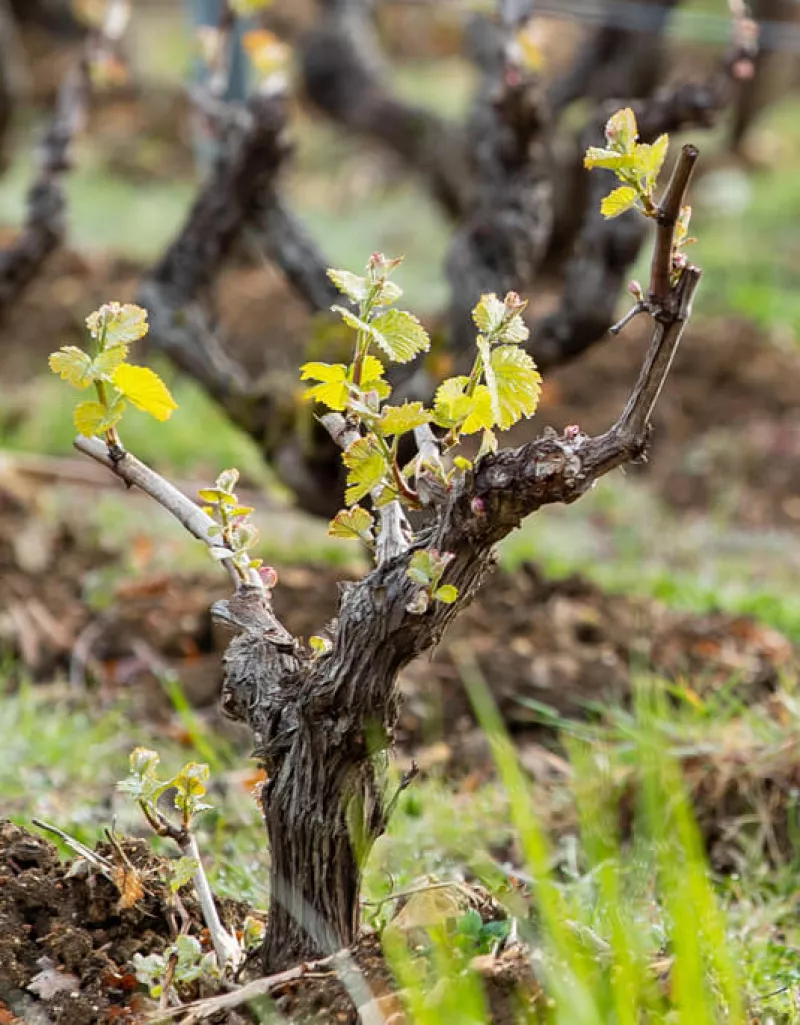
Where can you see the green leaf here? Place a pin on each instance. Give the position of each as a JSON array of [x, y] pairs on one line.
[[622, 131], [451, 406], [372, 372], [446, 593], [94, 418], [489, 313], [481, 415], [650, 158], [618, 201], [354, 286], [73, 365], [319, 645], [609, 159], [400, 335], [104, 365], [400, 419], [352, 524], [332, 391], [515, 386], [122, 322], [181, 872], [366, 464], [145, 389], [422, 568]]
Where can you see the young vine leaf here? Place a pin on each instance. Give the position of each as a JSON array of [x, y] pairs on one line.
[[112, 329]]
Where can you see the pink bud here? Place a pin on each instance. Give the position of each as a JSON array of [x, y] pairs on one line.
[[269, 577], [572, 432], [635, 289], [478, 506]]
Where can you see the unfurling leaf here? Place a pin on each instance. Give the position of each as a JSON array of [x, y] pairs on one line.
[[352, 524], [422, 568], [332, 390], [400, 419], [94, 418], [489, 313], [227, 480], [682, 227], [319, 645], [446, 593], [400, 335], [609, 159], [73, 365], [618, 201], [145, 389], [123, 323], [515, 386], [366, 464], [427, 566], [354, 286], [452, 406], [650, 159], [466, 413], [621, 130], [143, 760]]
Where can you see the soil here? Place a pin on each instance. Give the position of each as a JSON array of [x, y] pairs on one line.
[[67, 937], [565, 644]]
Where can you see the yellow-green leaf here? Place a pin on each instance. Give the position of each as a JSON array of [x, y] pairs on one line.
[[93, 418], [451, 405], [618, 201], [446, 593], [145, 389], [366, 464], [489, 313], [73, 365], [352, 524], [122, 322], [399, 419], [372, 373], [597, 157], [515, 386], [481, 415], [332, 391], [400, 335], [650, 158], [104, 365]]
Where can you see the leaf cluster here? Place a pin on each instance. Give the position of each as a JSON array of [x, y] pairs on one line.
[[502, 387], [112, 330], [636, 164], [190, 963], [145, 786], [234, 528]]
